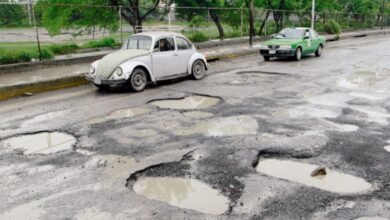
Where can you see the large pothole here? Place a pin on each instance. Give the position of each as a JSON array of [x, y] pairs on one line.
[[41, 143], [313, 176], [183, 193], [190, 102]]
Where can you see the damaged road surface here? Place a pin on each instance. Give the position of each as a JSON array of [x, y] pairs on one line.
[[252, 140]]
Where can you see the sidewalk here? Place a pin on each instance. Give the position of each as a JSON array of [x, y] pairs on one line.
[[68, 71]]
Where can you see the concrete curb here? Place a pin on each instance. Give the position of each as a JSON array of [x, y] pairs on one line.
[[11, 91]]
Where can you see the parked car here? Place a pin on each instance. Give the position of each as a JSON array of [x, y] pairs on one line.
[[148, 57], [293, 42]]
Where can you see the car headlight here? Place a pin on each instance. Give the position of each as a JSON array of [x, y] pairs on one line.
[[263, 47], [92, 70], [285, 47], [118, 71]]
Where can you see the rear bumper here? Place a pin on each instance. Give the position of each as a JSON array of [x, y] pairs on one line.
[[278, 53]]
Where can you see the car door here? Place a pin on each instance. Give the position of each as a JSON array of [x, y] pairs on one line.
[[308, 44], [164, 57], [316, 39], [184, 52]]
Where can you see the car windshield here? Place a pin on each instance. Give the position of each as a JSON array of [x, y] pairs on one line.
[[290, 34], [138, 42]]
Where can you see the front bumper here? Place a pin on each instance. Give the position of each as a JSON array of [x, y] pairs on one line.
[[113, 83], [278, 53]]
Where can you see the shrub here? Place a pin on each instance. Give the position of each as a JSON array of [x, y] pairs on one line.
[[332, 27], [105, 42], [9, 57], [63, 49], [197, 21], [198, 36]]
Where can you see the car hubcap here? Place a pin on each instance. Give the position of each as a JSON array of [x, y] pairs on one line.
[[319, 50], [139, 80], [198, 69], [299, 54]]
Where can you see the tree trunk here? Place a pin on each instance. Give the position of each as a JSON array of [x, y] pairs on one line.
[[263, 23], [215, 17]]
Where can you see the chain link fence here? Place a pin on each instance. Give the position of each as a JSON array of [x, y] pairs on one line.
[[61, 29]]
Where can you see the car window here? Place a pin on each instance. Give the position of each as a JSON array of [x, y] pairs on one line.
[[164, 45], [183, 44], [289, 33], [138, 42], [313, 33], [307, 33]]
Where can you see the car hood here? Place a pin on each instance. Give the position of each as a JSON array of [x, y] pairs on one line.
[[282, 41], [109, 62]]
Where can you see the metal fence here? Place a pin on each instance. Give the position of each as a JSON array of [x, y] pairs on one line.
[[28, 25]]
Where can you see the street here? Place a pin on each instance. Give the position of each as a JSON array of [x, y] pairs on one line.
[[225, 134]]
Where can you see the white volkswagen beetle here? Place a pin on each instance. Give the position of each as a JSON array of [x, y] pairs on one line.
[[148, 57]]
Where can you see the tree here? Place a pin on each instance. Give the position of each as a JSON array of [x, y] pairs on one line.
[[12, 15], [213, 13], [84, 15]]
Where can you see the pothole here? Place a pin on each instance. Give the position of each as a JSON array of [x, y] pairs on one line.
[[331, 180], [228, 126], [198, 114], [183, 193], [371, 218], [41, 143], [190, 102], [260, 73], [364, 78]]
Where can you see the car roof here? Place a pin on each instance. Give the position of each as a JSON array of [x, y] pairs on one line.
[[299, 28], [158, 34]]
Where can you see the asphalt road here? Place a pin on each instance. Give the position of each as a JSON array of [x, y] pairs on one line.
[[331, 112]]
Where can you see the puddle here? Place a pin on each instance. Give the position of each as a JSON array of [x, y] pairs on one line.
[[183, 193], [364, 78], [387, 148], [198, 115], [304, 111], [229, 126], [144, 133], [333, 181], [41, 143], [341, 127], [191, 102]]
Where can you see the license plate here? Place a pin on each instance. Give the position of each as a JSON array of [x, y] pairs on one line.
[[272, 51]]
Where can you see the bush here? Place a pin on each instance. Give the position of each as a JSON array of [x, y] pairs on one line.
[[198, 36], [332, 27], [105, 42], [63, 49], [9, 57], [197, 21]]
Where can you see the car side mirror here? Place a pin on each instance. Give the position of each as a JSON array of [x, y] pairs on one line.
[[306, 37]]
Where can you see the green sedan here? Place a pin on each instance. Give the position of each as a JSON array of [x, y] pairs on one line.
[[293, 42]]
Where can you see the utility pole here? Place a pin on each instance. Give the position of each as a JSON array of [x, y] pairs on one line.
[[313, 16]]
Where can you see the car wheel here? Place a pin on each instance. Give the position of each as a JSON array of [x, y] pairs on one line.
[[319, 51], [138, 80], [298, 54], [266, 58], [198, 70], [102, 87]]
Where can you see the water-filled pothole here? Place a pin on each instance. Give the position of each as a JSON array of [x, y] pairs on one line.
[[41, 143], [121, 113], [332, 181], [364, 78], [183, 193], [190, 102], [229, 126]]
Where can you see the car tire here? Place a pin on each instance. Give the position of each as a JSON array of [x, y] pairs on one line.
[[267, 58], [103, 88], [138, 80], [198, 70], [319, 51], [298, 54]]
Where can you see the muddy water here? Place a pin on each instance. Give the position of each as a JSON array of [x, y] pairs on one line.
[[198, 114], [183, 193], [41, 143], [333, 181], [229, 126], [191, 102]]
